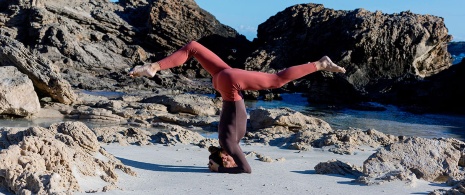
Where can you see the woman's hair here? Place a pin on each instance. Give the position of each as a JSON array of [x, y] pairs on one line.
[[215, 155]]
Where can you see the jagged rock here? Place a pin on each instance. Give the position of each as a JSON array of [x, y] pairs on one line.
[[187, 119], [171, 27], [434, 160], [262, 118], [124, 136], [338, 167], [377, 49], [176, 135], [40, 70], [347, 141], [17, 95], [187, 103], [55, 160]]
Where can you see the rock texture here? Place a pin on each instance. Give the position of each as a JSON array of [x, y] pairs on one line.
[[92, 44], [40, 70], [434, 160], [55, 160], [17, 95], [377, 49]]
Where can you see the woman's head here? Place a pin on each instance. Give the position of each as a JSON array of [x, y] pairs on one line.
[[221, 157]]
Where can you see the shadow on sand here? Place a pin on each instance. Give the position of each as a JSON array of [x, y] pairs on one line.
[[164, 168]]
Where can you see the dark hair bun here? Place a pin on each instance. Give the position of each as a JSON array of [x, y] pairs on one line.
[[215, 155], [213, 149]]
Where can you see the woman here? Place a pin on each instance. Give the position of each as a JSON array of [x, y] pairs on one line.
[[229, 82]]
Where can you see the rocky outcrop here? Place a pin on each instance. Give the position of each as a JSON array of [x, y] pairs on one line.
[[17, 95], [438, 93], [348, 141], [177, 135], [434, 160], [40, 70], [376, 49], [94, 43], [56, 160], [261, 118], [338, 167], [187, 103], [123, 136]]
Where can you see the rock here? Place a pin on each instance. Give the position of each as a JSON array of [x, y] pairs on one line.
[[17, 95], [56, 160], [435, 93], [338, 167], [176, 135], [124, 136], [434, 160], [40, 70], [347, 141], [80, 134], [187, 103], [377, 49], [262, 118], [171, 27]]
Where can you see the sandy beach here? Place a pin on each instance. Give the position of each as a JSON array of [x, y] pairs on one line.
[[182, 169]]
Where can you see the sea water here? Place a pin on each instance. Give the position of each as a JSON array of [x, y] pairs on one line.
[[390, 121]]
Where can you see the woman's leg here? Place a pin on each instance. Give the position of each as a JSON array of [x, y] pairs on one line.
[[209, 61], [231, 81]]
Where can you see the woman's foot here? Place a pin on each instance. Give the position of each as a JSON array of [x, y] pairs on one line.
[[148, 70], [326, 64]]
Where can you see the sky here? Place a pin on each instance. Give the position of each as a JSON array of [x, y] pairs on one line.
[[246, 15]]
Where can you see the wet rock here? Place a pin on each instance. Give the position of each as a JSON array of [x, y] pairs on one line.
[[17, 95]]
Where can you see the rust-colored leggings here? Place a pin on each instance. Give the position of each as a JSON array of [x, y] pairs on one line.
[[229, 82]]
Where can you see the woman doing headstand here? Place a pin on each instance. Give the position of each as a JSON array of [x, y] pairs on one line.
[[229, 82]]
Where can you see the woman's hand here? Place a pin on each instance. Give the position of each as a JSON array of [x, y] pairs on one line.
[[213, 166]]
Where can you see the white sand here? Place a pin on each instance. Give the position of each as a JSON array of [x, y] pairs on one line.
[[182, 169]]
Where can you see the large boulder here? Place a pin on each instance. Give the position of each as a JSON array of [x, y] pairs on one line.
[[377, 49], [17, 95], [43, 73], [434, 160]]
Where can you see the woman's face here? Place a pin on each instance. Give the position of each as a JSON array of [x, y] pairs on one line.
[[228, 161]]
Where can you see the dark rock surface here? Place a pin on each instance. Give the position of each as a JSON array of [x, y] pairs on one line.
[[377, 49]]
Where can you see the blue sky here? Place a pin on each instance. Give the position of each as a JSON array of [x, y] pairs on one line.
[[246, 15]]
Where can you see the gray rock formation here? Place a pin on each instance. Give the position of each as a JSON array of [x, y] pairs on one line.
[[187, 103], [43, 73], [261, 118], [17, 95], [377, 49]]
